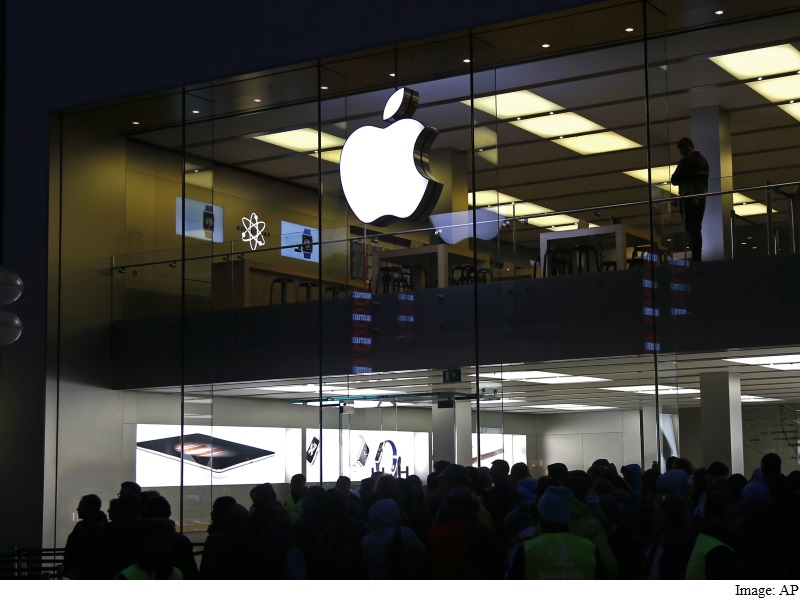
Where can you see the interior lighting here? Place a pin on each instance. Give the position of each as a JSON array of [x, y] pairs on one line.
[[195, 112], [778, 89], [595, 143], [629, 29], [762, 62], [785, 362], [563, 379], [545, 45], [466, 60], [719, 12], [256, 99], [135, 123], [792, 109], [392, 75], [572, 407], [305, 140], [651, 389], [514, 105], [561, 124]]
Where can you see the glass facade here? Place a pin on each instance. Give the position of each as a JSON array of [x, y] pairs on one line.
[[241, 300]]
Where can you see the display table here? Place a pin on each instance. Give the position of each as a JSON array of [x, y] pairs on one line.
[[438, 256], [621, 233]]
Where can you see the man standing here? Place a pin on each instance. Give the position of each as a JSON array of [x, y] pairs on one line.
[[691, 177]]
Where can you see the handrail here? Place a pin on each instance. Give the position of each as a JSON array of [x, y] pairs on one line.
[[228, 255]]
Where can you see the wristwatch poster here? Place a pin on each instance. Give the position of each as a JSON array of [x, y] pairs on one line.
[[386, 458], [208, 221], [306, 244]]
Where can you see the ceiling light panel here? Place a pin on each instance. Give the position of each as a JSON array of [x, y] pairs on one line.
[[762, 361], [551, 126], [792, 109], [760, 63], [596, 143], [564, 379], [306, 140], [779, 89], [514, 104], [491, 198], [651, 389], [572, 407]]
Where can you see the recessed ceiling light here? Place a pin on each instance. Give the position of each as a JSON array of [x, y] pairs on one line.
[[572, 407], [466, 60], [719, 12], [305, 140], [565, 379], [545, 45], [195, 112], [323, 87], [392, 75], [135, 123], [558, 125], [629, 29], [256, 99]]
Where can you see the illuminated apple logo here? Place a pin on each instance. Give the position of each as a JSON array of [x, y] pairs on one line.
[[385, 172]]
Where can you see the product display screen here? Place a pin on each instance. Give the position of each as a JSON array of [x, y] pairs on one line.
[[233, 455], [299, 241], [203, 220]]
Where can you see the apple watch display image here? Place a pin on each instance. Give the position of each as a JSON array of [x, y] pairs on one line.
[[359, 453], [208, 221], [307, 244], [386, 458], [312, 452], [214, 454]]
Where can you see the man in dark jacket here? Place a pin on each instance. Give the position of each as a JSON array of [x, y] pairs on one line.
[[691, 177]]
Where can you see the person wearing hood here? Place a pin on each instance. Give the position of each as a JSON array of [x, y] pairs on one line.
[[390, 550]]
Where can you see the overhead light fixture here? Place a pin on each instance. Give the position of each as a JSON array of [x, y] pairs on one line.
[[762, 62], [719, 12], [629, 29], [307, 388], [551, 126], [323, 87], [596, 143], [135, 123], [564, 379], [195, 112], [514, 104], [651, 389], [572, 407], [499, 401], [545, 45], [306, 140], [793, 109], [516, 375], [256, 99], [784, 362], [751, 209], [466, 60], [392, 75], [778, 89], [659, 176]]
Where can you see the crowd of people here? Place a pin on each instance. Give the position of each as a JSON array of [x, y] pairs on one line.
[[465, 523]]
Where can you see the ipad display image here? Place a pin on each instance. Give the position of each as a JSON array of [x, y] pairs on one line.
[[211, 453]]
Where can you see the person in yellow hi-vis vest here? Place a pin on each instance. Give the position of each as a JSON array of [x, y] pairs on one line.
[[294, 501], [555, 553]]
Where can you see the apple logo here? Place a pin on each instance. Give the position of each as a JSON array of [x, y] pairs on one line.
[[385, 173]]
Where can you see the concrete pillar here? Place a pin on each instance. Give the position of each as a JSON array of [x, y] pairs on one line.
[[721, 419], [711, 134], [691, 434], [452, 432]]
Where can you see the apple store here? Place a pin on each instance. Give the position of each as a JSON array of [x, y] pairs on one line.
[[462, 248]]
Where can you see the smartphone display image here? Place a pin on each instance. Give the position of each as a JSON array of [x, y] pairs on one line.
[[359, 453], [313, 451], [215, 454]]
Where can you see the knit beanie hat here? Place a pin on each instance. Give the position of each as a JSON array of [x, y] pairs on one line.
[[555, 504]]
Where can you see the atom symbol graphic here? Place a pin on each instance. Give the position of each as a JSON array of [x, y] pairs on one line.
[[253, 231]]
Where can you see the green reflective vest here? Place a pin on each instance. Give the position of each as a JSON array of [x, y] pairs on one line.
[[559, 556], [134, 571], [293, 508], [696, 568]]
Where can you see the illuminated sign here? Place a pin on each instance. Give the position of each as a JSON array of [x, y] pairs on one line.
[[385, 173], [253, 231]]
